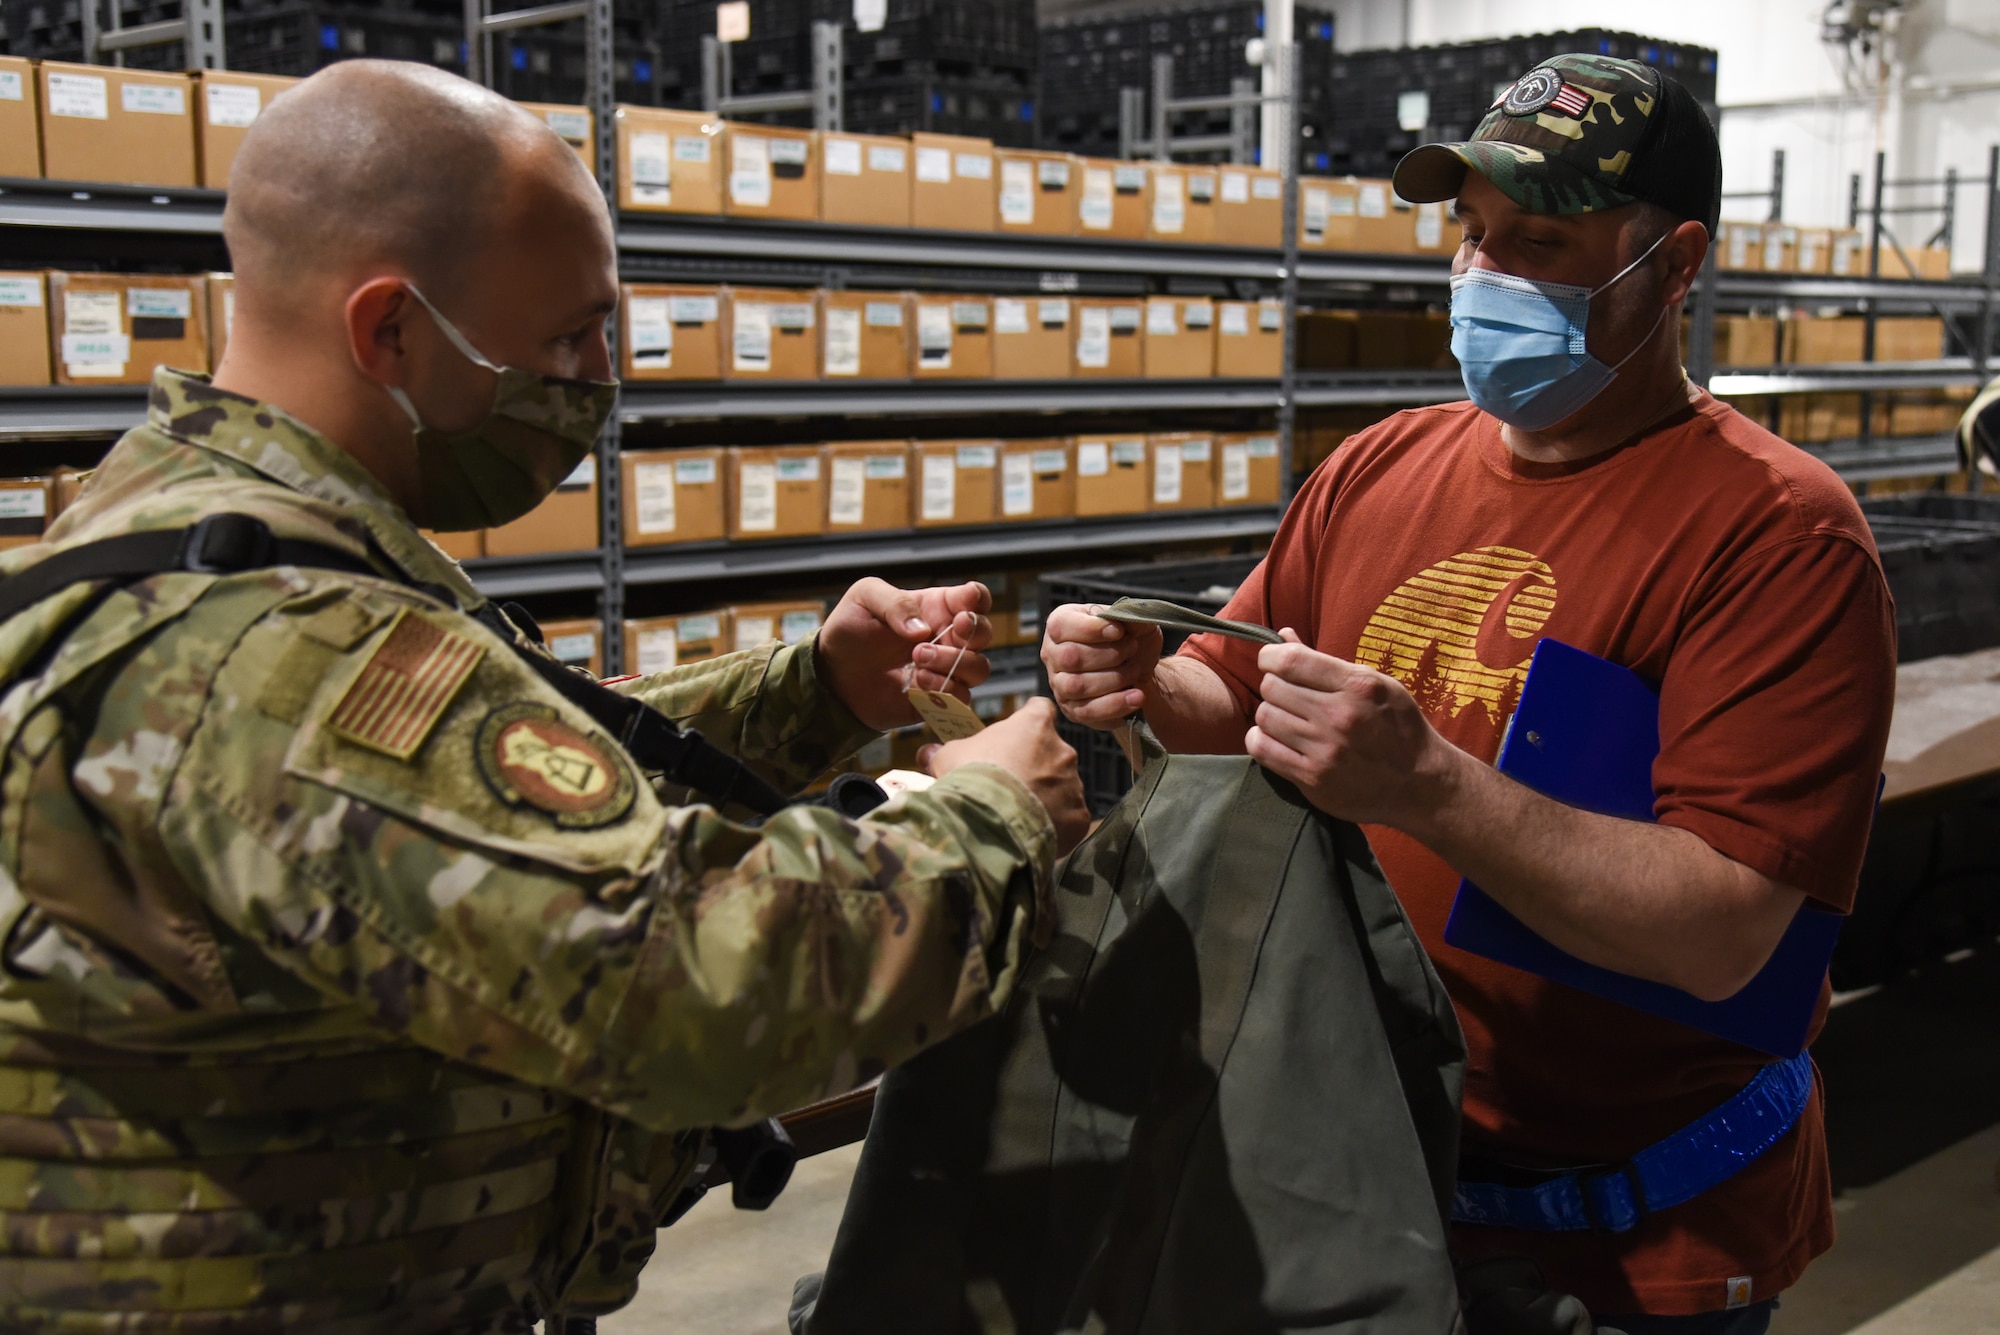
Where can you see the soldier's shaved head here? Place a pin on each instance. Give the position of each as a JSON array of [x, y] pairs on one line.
[[375, 162]]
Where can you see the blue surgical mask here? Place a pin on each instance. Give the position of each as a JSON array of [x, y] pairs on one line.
[[1520, 344]]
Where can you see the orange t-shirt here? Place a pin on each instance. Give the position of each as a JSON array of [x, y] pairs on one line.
[[1736, 575]]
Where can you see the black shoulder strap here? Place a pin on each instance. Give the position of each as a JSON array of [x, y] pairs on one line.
[[229, 544]]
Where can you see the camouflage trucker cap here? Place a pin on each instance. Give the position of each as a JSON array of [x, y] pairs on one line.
[[1579, 133]]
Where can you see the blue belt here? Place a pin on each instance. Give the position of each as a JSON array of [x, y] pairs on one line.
[[1615, 1197]]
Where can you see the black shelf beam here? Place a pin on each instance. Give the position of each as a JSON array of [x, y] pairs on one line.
[[641, 402]]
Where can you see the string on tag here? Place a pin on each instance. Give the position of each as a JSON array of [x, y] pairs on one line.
[[910, 668]]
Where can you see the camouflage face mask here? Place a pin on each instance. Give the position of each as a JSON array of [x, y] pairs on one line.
[[539, 429]]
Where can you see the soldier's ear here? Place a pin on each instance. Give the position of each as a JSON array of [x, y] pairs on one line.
[[376, 314]]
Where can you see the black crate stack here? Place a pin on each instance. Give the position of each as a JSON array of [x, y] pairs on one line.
[[1385, 102], [1085, 61]]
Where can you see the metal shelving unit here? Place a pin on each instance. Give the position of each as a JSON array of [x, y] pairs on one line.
[[938, 398]]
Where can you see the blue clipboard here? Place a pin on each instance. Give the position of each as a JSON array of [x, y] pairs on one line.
[[1586, 734]]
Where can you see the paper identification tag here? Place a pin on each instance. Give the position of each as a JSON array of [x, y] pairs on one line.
[[948, 716], [1172, 616]]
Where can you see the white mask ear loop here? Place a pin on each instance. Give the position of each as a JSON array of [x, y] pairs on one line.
[[1655, 327], [473, 354], [1644, 255]]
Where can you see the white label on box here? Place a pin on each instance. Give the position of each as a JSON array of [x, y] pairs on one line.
[[753, 631], [571, 125], [1128, 452], [85, 96], [940, 498], [1341, 205], [1235, 472], [969, 314], [732, 21], [659, 651], [843, 156], [1052, 312], [1270, 316], [1267, 187], [1010, 314], [1093, 337], [1160, 318], [1169, 202], [844, 501], [757, 508], [788, 152], [870, 15], [1050, 461], [1201, 187], [1199, 315], [693, 148], [1235, 187], [1124, 319], [934, 166], [974, 166], [652, 331], [1263, 447], [795, 626], [232, 104], [1739, 245], [1017, 485], [1315, 213], [1167, 474], [158, 303], [646, 157], [1430, 226], [885, 466], [1017, 192], [1808, 253], [1053, 173], [1235, 318], [1374, 200], [799, 470], [843, 342], [749, 171], [11, 88], [751, 344], [978, 456], [792, 315], [1195, 451], [653, 498], [152, 99], [885, 314], [1093, 458], [694, 472], [93, 312], [1128, 178], [1846, 250], [102, 354], [583, 475], [701, 626], [934, 331], [1094, 209], [694, 310], [21, 291], [24, 503], [576, 648], [887, 158]]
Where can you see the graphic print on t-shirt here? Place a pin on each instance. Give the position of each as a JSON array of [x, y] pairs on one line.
[[1460, 634]]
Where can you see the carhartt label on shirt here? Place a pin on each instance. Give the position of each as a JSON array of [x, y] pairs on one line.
[[1235, 188], [845, 499], [1093, 337], [232, 104], [757, 508], [1739, 1288], [1017, 193], [652, 329], [152, 99], [750, 171], [83, 96], [1094, 209], [646, 156], [843, 156], [653, 499], [843, 344], [659, 651], [940, 487]]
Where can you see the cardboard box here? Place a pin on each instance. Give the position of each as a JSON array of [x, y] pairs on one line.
[[1249, 207], [867, 335], [1384, 222], [1036, 193], [951, 184], [1815, 250], [1908, 338], [1108, 339], [1809, 340], [1183, 204], [1179, 342], [221, 315], [1328, 340], [1112, 476], [661, 644], [1402, 340], [1932, 262], [770, 334], [1031, 338], [1250, 338], [225, 105], [671, 333], [953, 338], [1816, 418], [752, 624], [674, 496], [24, 329], [65, 486], [467, 546], [26, 506], [1114, 199], [1748, 340], [1246, 470], [958, 482], [1740, 247], [578, 642], [779, 491], [131, 127], [113, 329], [1328, 213], [864, 179], [20, 119], [868, 485], [669, 161], [1781, 248], [574, 125], [1849, 256], [1183, 466], [565, 522], [1037, 480], [773, 172]]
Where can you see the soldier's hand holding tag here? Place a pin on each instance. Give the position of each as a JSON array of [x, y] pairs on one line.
[[882, 641], [1027, 746]]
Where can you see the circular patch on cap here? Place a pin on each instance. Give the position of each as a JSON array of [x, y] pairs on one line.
[[1531, 92], [531, 758]]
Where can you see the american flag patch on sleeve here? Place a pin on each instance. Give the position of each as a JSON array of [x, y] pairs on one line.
[[405, 687]]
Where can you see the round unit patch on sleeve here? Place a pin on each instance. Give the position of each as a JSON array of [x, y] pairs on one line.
[[530, 757]]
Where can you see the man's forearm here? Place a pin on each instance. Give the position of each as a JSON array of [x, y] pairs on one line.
[[1191, 711], [1648, 900]]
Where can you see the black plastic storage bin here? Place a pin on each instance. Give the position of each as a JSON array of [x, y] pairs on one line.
[[1941, 553], [1204, 585]]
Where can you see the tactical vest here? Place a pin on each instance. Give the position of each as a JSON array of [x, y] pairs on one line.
[[172, 1163]]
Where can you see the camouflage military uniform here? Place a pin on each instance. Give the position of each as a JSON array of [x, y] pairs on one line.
[[353, 979]]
